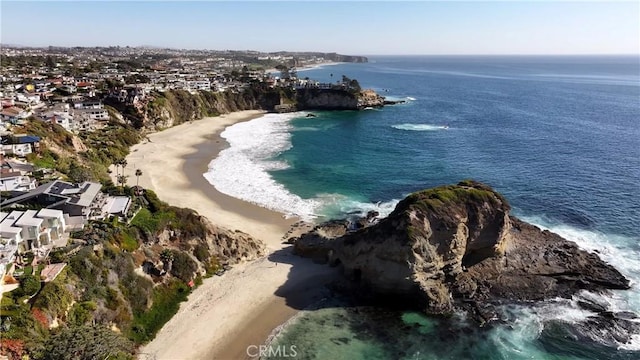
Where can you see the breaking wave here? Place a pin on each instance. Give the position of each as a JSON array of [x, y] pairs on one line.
[[420, 127]]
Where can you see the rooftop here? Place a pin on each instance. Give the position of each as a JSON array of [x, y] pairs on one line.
[[29, 219], [50, 213], [116, 204]]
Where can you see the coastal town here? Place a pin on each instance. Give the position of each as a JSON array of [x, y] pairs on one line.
[[69, 116]]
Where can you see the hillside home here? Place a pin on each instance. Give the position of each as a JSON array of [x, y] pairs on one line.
[[14, 115], [61, 118], [84, 200], [89, 104], [116, 205], [95, 114], [20, 145], [199, 85], [83, 122], [34, 232], [10, 241], [31, 99], [54, 220], [15, 181], [22, 231]]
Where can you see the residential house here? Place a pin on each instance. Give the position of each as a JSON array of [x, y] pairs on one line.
[[22, 231], [95, 114], [34, 232], [89, 104], [61, 118], [203, 84], [116, 205], [14, 115], [82, 122], [22, 145], [84, 200], [31, 99], [24, 168], [8, 102], [15, 181], [54, 220], [10, 240]]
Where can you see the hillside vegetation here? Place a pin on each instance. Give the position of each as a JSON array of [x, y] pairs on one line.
[[127, 277]]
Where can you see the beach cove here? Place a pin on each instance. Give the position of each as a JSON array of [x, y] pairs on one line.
[[226, 314]]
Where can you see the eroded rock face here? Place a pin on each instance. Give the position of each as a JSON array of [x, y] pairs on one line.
[[234, 246], [457, 246]]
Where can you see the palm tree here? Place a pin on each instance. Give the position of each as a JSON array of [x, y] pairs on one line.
[[138, 174], [123, 163], [122, 179]]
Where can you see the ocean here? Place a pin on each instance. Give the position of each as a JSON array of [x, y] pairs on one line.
[[558, 136]]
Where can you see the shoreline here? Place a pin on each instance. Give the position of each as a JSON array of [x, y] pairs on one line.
[[228, 313], [307, 67]]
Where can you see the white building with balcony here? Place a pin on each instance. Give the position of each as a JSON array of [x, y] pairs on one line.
[[34, 232], [15, 181], [95, 114]]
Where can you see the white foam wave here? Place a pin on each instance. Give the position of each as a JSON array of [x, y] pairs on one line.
[[615, 249], [619, 251], [336, 205], [420, 127], [242, 169], [411, 98], [633, 344]]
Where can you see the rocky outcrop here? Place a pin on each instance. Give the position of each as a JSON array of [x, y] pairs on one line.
[[227, 246], [234, 246], [457, 246], [336, 99]]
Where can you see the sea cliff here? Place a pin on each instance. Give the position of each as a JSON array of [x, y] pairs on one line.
[[166, 109]]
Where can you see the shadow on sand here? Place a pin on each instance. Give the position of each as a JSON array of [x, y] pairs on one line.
[[306, 282]]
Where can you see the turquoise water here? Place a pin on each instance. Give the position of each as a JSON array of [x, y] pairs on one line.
[[558, 136]]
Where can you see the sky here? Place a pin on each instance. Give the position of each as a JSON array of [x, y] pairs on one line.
[[347, 27]]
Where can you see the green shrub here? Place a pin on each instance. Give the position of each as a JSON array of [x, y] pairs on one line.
[[154, 202], [166, 302], [112, 300], [127, 240], [29, 285], [54, 297], [201, 252], [87, 342], [81, 313], [212, 266], [137, 291], [188, 222], [183, 266]]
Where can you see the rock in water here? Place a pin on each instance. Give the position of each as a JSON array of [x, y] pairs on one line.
[[456, 246]]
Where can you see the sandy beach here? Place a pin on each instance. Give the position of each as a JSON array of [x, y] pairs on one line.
[[227, 313]]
